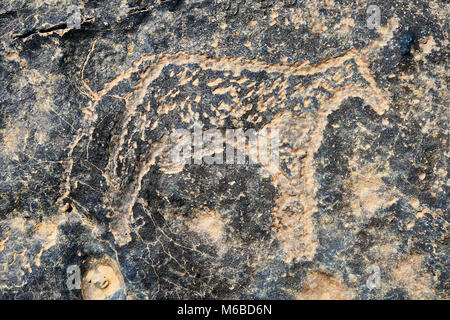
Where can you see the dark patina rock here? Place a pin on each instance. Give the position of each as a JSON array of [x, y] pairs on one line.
[[355, 208]]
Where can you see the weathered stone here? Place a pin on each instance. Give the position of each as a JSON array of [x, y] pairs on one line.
[[88, 106]]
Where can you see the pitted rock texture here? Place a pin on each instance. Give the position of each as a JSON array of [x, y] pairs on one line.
[[86, 117]]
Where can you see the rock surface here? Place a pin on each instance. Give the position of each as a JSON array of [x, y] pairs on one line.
[[360, 193]]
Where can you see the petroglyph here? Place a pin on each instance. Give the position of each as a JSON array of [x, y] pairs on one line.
[[352, 205], [297, 107]]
